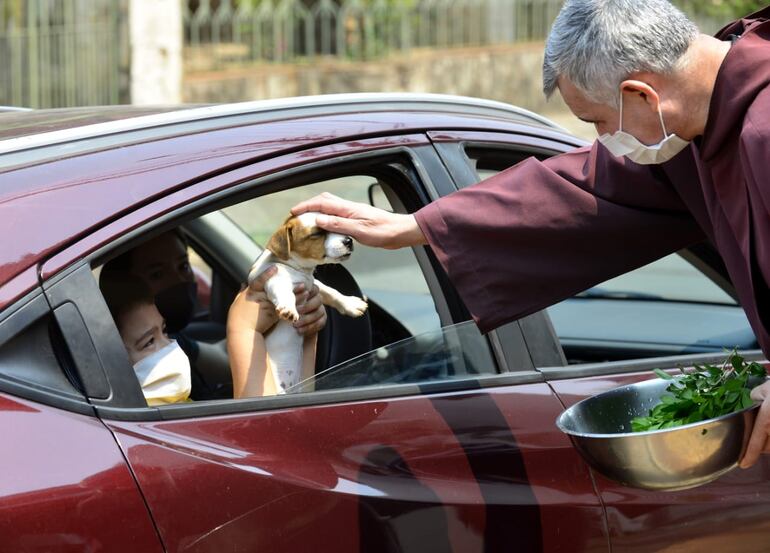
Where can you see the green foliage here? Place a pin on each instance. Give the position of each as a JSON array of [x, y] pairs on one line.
[[704, 393], [722, 9]]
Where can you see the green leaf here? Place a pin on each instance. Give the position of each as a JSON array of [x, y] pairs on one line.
[[746, 400], [705, 392]]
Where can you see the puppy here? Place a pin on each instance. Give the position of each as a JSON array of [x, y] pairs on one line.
[[296, 248]]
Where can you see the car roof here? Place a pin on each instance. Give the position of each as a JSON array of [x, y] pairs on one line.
[[20, 122], [37, 131]]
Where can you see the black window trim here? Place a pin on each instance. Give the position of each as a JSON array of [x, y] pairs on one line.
[[541, 347], [14, 320], [604, 368]]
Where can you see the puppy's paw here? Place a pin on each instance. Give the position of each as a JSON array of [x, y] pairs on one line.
[[352, 306], [287, 312]]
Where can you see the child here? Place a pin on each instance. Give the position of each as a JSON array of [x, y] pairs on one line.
[[161, 366]]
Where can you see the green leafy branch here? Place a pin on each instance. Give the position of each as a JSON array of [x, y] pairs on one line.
[[703, 393]]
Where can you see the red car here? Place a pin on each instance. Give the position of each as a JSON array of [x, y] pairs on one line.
[[421, 434]]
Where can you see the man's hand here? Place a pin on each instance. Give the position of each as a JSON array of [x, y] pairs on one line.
[[758, 442], [368, 225], [251, 308]]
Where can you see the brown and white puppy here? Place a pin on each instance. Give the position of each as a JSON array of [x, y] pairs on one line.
[[295, 249]]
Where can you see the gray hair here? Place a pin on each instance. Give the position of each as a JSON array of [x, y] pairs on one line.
[[597, 44]]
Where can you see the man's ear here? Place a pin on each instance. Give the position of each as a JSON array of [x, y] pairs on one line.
[[640, 89], [280, 241]]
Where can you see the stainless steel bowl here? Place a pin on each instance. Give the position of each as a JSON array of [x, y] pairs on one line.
[[670, 459]]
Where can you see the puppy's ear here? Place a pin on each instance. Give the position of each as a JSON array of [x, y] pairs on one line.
[[280, 242]]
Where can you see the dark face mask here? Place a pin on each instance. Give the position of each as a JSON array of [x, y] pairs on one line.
[[177, 305]]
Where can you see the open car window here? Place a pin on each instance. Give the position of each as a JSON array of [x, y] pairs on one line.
[[399, 339]]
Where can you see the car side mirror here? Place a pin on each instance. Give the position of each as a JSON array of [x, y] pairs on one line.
[[377, 197]]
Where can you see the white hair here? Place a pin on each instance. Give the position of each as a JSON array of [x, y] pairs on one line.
[[597, 44]]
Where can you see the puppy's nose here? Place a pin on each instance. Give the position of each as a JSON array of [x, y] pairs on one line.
[[347, 242]]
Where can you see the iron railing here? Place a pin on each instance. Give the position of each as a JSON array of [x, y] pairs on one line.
[[227, 33], [58, 53]]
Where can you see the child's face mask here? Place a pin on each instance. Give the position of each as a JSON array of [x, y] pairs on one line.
[[624, 144], [164, 375]]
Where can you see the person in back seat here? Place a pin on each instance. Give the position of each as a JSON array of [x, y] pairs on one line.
[[162, 368]]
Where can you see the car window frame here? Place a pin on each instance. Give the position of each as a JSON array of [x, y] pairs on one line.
[[537, 330], [433, 181]]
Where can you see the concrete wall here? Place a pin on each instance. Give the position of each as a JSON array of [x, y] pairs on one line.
[[510, 73]]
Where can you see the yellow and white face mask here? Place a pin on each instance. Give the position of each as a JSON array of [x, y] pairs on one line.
[[165, 375]]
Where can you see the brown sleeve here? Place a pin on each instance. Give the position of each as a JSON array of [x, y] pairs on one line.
[[540, 232]]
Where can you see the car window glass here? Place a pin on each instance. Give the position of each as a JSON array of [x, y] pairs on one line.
[[453, 352], [391, 278], [670, 278]]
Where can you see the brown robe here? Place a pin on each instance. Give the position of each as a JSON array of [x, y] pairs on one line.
[[540, 232]]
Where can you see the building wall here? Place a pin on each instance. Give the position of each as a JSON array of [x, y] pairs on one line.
[[509, 73]]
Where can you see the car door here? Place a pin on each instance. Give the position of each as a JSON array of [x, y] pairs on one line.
[[725, 515], [443, 442]]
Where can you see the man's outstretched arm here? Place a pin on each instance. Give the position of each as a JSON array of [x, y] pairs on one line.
[[368, 225]]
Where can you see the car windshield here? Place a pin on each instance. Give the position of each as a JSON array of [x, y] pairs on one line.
[[453, 352]]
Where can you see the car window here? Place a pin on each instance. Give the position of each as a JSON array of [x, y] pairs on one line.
[[399, 339], [391, 278], [38, 356], [668, 307]]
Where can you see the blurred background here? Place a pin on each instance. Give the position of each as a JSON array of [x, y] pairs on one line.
[[60, 53]]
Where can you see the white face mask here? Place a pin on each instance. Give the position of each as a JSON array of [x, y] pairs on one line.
[[624, 144], [165, 375]]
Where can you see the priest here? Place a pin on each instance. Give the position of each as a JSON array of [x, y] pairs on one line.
[[684, 143]]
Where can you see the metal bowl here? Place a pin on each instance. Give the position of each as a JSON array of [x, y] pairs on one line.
[[666, 460]]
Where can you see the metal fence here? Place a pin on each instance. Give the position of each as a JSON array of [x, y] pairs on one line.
[[58, 53], [227, 33]]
